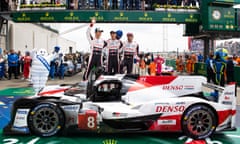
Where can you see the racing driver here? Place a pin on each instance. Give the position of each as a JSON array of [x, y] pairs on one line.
[[96, 45], [130, 50], [113, 47]]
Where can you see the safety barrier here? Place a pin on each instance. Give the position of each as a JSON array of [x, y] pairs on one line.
[[200, 69]]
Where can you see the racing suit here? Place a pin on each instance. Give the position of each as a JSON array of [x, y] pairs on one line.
[[113, 47], [130, 49], [159, 61], [26, 67], [95, 58], [2, 67], [219, 69]]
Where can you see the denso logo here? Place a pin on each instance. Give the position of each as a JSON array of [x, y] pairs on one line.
[[178, 108], [172, 87]]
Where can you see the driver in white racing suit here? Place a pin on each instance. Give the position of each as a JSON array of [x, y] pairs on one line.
[[97, 44], [130, 50], [113, 47]]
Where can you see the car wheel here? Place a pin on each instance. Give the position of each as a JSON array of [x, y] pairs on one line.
[[199, 122], [46, 119]]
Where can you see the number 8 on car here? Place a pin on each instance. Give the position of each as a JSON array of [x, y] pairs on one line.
[[87, 120]]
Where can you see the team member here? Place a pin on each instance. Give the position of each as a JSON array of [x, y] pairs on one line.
[[113, 46], [12, 64], [97, 44], [159, 61], [142, 66], [219, 69], [130, 49], [52, 69], [61, 67], [230, 69], [209, 63], [27, 60], [2, 67], [135, 65]]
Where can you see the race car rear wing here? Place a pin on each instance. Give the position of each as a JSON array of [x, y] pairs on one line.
[[230, 89], [224, 95], [227, 96], [213, 86]]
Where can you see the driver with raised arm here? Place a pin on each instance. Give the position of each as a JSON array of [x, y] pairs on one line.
[[96, 45]]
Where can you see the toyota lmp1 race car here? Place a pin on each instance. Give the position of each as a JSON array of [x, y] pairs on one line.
[[127, 103]]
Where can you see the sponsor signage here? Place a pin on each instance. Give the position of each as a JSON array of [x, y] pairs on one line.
[[106, 16], [168, 108], [21, 118], [167, 122], [172, 87], [221, 18], [178, 87]]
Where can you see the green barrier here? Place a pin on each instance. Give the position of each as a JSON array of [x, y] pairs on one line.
[[200, 69], [18, 91], [171, 62]]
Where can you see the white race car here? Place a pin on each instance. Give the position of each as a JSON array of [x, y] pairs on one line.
[[127, 103]]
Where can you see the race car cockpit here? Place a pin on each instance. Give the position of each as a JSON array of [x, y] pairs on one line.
[[106, 91]]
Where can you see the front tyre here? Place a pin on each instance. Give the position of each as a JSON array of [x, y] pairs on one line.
[[46, 119], [199, 122]]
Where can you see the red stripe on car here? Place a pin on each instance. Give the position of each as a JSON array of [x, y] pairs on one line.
[[223, 115], [149, 81], [51, 92], [167, 127]]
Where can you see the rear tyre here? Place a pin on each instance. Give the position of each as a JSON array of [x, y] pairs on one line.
[[46, 119], [199, 122]]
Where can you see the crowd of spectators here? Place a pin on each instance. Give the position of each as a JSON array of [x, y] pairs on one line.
[[6, 5], [127, 4]]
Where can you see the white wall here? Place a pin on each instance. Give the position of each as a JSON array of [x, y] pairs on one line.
[[65, 44], [26, 36], [2, 42]]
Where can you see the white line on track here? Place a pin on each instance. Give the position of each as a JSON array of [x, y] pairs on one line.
[[234, 136]]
